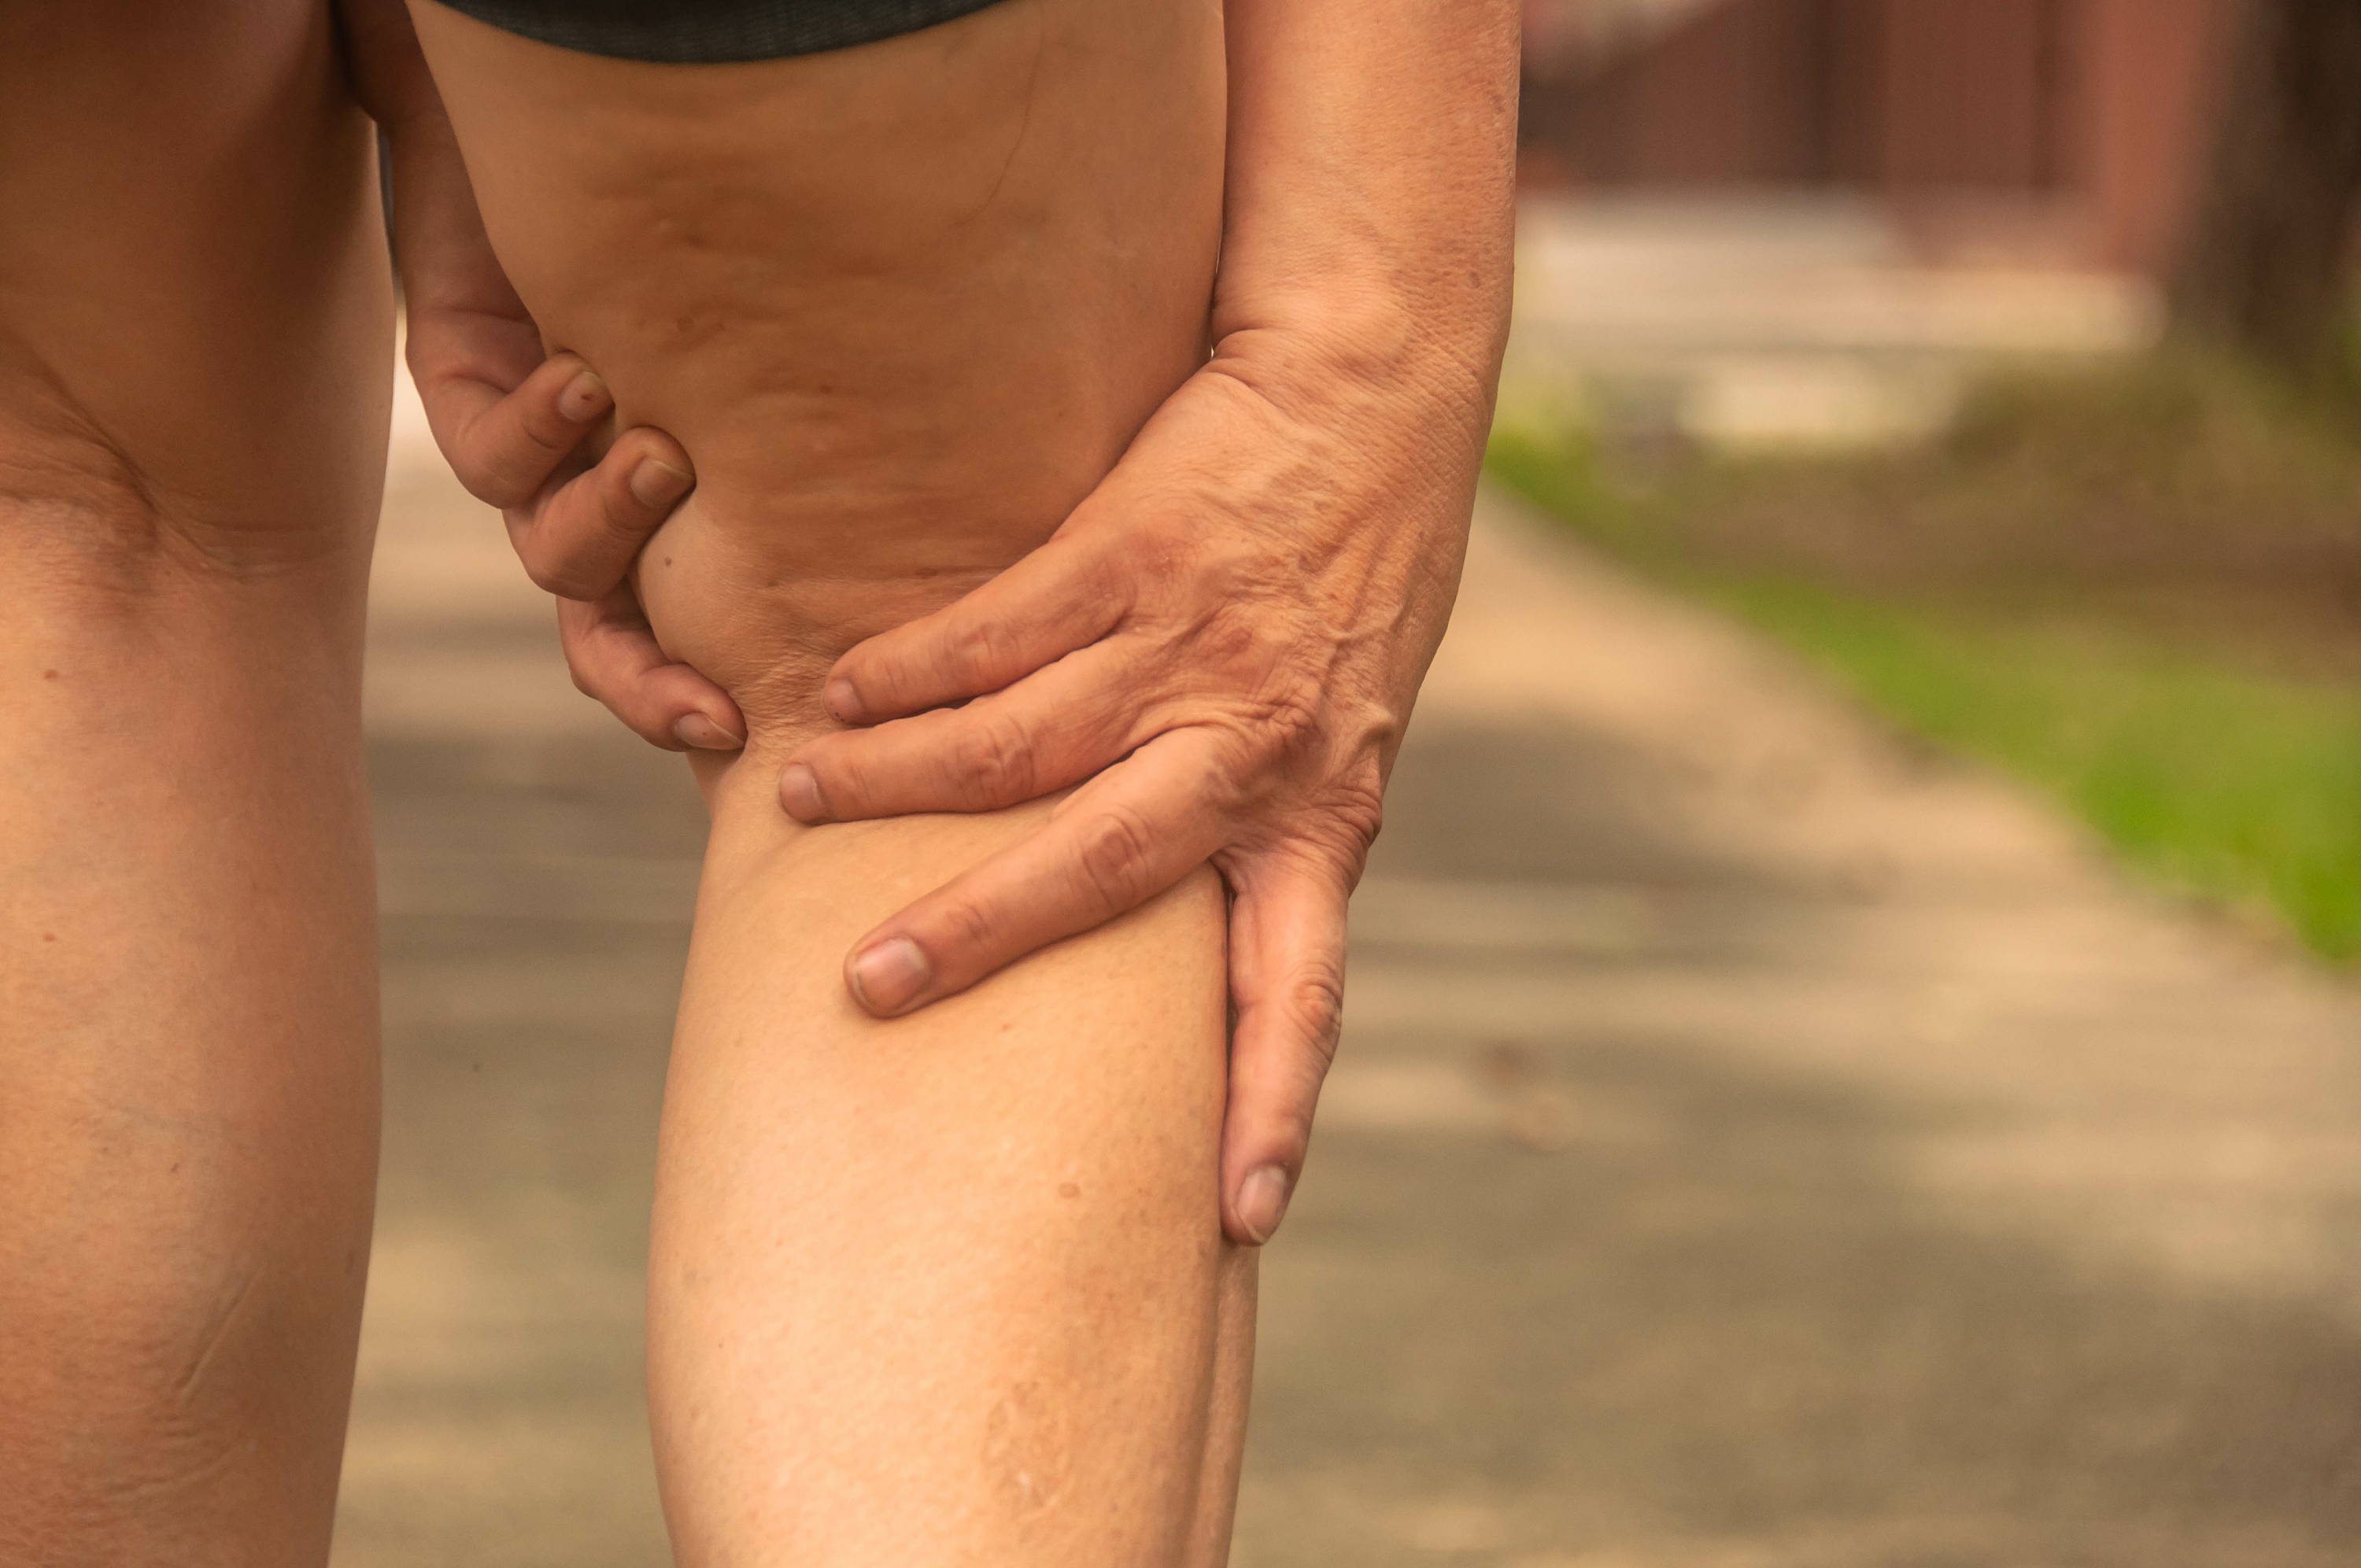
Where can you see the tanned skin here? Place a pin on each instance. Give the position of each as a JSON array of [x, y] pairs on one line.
[[948, 1288], [195, 328]]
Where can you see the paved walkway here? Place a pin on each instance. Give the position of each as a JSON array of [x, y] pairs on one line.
[[1755, 1144]]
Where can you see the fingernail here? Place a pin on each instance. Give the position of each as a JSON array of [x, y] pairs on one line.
[[799, 793], [1262, 1202], [655, 483], [843, 703], [888, 977], [585, 397], [704, 734]]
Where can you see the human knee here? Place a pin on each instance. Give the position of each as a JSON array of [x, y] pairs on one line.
[[82, 516]]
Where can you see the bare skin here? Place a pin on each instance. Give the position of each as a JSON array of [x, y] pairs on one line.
[[1305, 499], [951, 1288], [192, 407], [1270, 565]]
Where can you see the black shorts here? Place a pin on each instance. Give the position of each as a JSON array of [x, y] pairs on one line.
[[710, 32]]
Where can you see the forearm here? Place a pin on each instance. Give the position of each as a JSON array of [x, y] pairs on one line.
[[1370, 207]]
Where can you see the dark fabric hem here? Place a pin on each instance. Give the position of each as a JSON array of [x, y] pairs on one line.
[[712, 32]]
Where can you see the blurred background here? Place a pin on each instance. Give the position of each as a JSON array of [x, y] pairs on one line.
[[1851, 1056]]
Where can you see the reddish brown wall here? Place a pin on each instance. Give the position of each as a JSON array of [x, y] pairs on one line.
[[2155, 71], [2105, 102], [1968, 92], [1732, 97]]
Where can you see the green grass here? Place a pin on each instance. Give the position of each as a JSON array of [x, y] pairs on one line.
[[2225, 782]]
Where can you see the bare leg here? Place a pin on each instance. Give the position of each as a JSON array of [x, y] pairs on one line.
[[193, 335], [951, 1289], [943, 1289]]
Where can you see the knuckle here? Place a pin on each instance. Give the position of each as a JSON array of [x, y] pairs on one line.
[[846, 779], [547, 573], [866, 675], [1115, 858], [570, 579], [1234, 633], [622, 520], [544, 434], [846, 783], [548, 564], [487, 485], [962, 926], [494, 477], [1357, 802], [1263, 669], [995, 759], [1289, 712], [1243, 570], [980, 652], [1275, 730], [1105, 572], [1314, 1005]]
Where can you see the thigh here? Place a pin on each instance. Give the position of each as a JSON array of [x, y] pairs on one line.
[[194, 332], [903, 304]]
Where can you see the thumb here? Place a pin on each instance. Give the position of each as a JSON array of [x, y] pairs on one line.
[[1287, 968]]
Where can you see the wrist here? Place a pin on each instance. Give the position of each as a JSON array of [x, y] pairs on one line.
[[1353, 352]]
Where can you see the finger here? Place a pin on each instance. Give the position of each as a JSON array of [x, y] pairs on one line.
[[505, 446], [616, 659], [1062, 597], [579, 539], [469, 342], [1287, 985], [1052, 729], [1112, 845]]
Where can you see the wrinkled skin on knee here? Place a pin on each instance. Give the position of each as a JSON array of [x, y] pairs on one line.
[[192, 335], [903, 304]]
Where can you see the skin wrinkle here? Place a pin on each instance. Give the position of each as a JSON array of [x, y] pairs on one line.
[[108, 509], [172, 1465], [210, 1342], [49, 436], [191, 1436]]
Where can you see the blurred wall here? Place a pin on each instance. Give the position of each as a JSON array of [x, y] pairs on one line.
[[2090, 112], [2156, 69]]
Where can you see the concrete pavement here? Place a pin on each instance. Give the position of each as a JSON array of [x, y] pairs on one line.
[[1756, 1145]]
